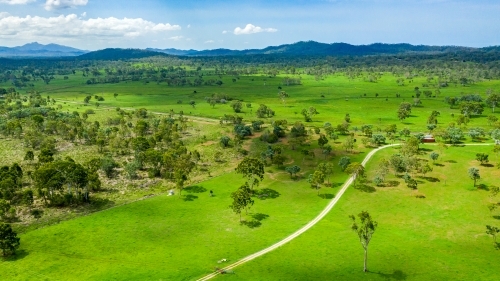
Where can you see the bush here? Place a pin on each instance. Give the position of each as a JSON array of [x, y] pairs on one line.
[[108, 166], [131, 170], [268, 137]]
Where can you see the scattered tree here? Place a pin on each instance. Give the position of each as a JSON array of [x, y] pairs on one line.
[[434, 156], [482, 157], [344, 162], [404, 111], [357, 170], [252, 169], [365, 231], [242, 199], [493, 231], [474, 174], [293, 170], [9, 241], [283, 95], [316, 179]]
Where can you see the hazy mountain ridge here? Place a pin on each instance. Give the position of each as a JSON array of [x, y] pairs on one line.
[[303, 48], [39, 50], [312, 48]]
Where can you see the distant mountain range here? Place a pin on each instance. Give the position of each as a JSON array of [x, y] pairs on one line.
[[304, 48], [39, 50], [312, 48]]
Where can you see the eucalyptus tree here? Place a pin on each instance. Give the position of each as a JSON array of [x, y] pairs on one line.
[[365, 231]]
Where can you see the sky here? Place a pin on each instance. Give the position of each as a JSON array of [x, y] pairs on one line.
[[212, 24]]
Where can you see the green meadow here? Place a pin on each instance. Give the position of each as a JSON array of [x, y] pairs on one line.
[[333, 97], [439, 236]]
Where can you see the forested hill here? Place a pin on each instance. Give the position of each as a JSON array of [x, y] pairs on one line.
[[312, 48], [119, 54], [303, 48]]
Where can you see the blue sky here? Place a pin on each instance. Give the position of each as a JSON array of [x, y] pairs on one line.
[[203, 24]]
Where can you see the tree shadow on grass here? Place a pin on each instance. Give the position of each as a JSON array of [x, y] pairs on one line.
[[396, 275], [438, 164], [256, 222], [391, 183], [365, 188], [451, 161], [425, 149], [252, 223], [259, 216], [336, 184], [327, 196], [488, 165], [267, 193], [483, 187], [496, 217], [20, 254], [429, 179], [195, 189], [97, 203], [189, 197]]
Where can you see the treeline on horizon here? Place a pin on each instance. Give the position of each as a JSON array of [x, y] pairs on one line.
[[115, 65]]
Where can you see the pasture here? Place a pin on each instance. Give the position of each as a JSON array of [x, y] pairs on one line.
[[441, 236], [333, 97]]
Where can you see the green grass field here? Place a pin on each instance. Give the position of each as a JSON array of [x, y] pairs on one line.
[[441, 236], [166, 238], [341, 96]]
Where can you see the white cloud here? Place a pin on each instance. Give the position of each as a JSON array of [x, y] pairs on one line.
[[209, 42], [250, 29], [71, 26], [63, 4], [188, 26], [84, 14], [176, 38], [16, 2], [224, 32]]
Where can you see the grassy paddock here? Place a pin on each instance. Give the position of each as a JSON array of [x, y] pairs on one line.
[[439, 237], [341, 96]]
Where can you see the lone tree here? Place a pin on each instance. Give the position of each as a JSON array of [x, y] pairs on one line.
[[316, 180], [493, 231], [9, 241], [474, 174], [252, 169], [357, 171], [365, 232], [404, 111], [242, 198], [322, 141], [293, 170], [434, 156], [482, 157], [283, 95], [344, 162]]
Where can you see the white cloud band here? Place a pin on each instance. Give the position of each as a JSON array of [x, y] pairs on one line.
[[63, 4], [250, 29], [72, 26], [16, 2]]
